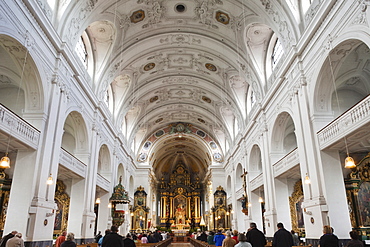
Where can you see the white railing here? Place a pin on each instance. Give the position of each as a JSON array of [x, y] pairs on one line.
[[256, 182], [349, 121], [239, 193], [72, 163], [102, 182], [18, 128], [287, 162]]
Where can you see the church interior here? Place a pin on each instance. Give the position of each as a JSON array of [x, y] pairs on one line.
[[184, 114]]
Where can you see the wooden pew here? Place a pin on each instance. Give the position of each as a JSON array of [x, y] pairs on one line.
[[88, 245], [163, 243], [198, 243]]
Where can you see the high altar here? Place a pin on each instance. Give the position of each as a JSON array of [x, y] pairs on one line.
[[180, 199]]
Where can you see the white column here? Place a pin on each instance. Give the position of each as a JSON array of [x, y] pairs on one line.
[[282, 202], [269, 181], [76, 206], [314, 201], [33, 214], [337, 202], [104, 213], [256, 210]]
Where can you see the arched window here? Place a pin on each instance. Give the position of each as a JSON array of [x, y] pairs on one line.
[[277, 53], [306, 5], [253, 98], [81, 51]]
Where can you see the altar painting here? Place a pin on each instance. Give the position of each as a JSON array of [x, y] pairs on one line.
[[364, 203], [180, 209]]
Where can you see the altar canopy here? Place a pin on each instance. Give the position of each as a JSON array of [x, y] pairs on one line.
[[180, 197]]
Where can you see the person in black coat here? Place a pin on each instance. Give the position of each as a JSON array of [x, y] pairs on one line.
[[6, 238], [128, 241], [255, 236], [202, 237], [328, 239], [282, 237], [113, 239], [157, 236]]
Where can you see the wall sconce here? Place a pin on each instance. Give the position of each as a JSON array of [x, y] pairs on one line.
[[110, 205], [307, 179], [49, 181], [249, 204], [307, 212], [260, 199], [97, 201]]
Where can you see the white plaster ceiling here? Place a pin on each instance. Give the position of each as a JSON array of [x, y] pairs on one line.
[[177, 66]]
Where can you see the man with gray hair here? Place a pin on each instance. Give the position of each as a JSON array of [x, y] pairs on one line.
[[16, 241], [6, 238], [228, 241]]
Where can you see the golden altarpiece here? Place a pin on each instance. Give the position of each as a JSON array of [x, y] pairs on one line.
[[220, 210], [5, 184], [358, 196], [139, 211], [296, 211], [62, 201], [180, 199]]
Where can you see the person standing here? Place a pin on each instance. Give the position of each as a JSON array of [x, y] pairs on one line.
[[295, 238], [235, 236], [328, 239], [98, 237], [255, 237], [228, 241], [218, 238], [7, 237], [242, 241], [16, 241], [210, 237], [60, 239], [128, 241], [113, 239], [282, 237], [70, 240], [354, 242], [100, 242]]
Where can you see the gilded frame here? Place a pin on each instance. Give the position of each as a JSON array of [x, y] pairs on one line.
[[62, 200], [296, 212]]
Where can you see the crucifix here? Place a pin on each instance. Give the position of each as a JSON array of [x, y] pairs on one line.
[[245, 198], [244, 176]]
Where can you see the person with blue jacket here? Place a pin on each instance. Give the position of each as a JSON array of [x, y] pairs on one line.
[[218, 238]]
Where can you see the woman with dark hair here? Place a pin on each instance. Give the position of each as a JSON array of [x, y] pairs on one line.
[[355, 242]]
